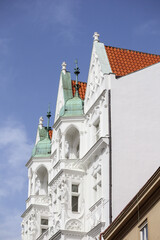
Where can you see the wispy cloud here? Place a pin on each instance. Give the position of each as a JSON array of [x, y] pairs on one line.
[[10, 226], [15, 150], [150, 27], [15, 143], [65, 12], [60, 16]]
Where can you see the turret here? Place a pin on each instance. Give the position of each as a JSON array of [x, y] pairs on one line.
[[74, 106], [43, 146]]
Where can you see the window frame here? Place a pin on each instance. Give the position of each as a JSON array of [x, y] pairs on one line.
[[43, 226], [75, 194], [144, 230]]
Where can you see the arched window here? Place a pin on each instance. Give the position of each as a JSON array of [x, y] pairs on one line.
[[41, 182], [72, 142]]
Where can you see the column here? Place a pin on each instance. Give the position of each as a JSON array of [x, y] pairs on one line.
[[63, 146], [34, 182], [29, 181]]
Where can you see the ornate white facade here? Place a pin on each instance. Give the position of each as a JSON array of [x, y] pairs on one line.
[[70, 176]]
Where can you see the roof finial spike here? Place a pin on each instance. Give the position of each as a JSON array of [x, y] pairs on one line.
[[41, 122], [48, 116], [96, 37], [64, 67], [76, 72]]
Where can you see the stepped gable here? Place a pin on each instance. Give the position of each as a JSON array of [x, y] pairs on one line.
[[124, 61], [81, 90]]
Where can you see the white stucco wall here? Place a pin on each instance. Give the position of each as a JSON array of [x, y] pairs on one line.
[[135, 132]]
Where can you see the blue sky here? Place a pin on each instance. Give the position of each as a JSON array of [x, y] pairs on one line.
[[36, 36]]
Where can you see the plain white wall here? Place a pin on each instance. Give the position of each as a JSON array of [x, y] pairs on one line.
[[135, 132]]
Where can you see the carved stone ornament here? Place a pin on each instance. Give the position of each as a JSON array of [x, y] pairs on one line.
[[58, 226], [95, 80], [74, 225], [64, 192], [96, 167]]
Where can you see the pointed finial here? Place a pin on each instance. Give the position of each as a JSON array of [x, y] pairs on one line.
[[41, 122], [76, 72], [64, 67], [96, 37], [48, 116]]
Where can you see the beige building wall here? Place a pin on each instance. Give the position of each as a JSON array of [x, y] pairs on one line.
[[153, 220]]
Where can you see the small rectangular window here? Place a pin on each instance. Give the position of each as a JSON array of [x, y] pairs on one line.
[[44, 221], [144, 232], [75, 203], [74, 188]]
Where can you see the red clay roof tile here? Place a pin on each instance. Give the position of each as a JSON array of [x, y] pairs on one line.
[[82, 89], [50, 134], [124, 61]]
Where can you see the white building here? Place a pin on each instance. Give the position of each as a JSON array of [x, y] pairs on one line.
[[104, 146]]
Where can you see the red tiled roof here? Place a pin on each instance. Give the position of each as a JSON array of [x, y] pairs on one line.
[[82, 89], [124, 61], [50, 134]]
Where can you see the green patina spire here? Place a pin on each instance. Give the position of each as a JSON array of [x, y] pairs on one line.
[[48, 116], [43, 146], [76, 72], [74, 105]]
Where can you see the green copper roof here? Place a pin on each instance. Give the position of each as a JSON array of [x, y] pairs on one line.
[[43, 146], [43, 133], [74, 107], [67, 86]]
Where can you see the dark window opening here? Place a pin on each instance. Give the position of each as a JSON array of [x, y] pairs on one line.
[[74, 188], [75, 203], [44, 221]]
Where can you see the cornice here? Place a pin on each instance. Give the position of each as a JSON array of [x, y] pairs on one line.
[[73, 233], [96, 204], [37, 159], [96, 230], [56, 177], [32, 206], [42, 235], [64, 170], [102, 142], [68, 119], [26, 211], [58, 234]]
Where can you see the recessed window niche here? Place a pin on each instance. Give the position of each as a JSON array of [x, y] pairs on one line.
[[72, 142], [41, 182]]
